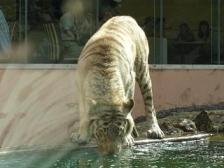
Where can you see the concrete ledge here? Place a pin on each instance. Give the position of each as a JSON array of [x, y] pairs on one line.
[[71, 146], [38, 66], [173, 139], [74, 66], [186, 67]]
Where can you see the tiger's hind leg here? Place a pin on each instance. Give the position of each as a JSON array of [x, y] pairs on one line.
[[144, 81]]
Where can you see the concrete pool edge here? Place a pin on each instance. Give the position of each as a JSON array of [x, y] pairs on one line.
[[71, 146], [174, 139]]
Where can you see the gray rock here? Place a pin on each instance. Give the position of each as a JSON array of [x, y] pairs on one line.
[[186, 125], [169, 129], [203, 122]]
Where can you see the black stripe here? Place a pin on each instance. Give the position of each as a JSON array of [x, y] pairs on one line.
[[104, 46], [146, 92], [106, 55], [148, 97], [86, 52], [117, 28], [101, 65], [140, 68], [142, 75], [122, 36], [93, 53], [148, 104], [145, 86]]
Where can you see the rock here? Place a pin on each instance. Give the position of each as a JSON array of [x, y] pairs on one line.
[[203, 122], [186, 125], [140, 119], [166, 126], [221, 129], [169, 129]]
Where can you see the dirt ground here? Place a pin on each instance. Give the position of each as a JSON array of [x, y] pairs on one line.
[[169, 123]]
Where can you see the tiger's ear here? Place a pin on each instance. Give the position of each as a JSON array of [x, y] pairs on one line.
[[128, 106]]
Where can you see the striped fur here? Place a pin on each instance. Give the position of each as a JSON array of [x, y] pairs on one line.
[[113, 58]]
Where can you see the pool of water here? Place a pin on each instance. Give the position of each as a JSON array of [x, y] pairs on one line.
[[191, 154]]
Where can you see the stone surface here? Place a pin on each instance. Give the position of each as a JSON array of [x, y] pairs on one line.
[[203, 122], [169, 129], [186, 125], [36, 107], [181, 123]]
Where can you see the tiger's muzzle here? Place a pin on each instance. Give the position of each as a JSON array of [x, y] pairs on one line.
[[110, 147], [110, 140]]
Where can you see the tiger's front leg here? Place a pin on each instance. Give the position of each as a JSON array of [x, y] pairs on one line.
[[129, 140], [83, 135]]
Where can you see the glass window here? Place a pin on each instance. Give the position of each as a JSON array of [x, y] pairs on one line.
[[192, 31], [8, 17], [222, 32], [48, 31], [179, 32], [55, 31], [62, 29], [188, 31]]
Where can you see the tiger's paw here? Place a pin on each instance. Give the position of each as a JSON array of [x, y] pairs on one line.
[[155, 132], [77, 138], [129, 140]]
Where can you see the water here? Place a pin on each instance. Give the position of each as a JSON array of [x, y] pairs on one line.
[[191, 154]]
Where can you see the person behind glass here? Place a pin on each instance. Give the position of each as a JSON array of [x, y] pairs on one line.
[[106, 14], [5, 39], [204, 49], [148, 26], [203, 31], [184, 44], [109, 9], [66, 23], [185, 34], [71, 11]]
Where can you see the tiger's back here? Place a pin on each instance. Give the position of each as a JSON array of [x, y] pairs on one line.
[[115, 49]]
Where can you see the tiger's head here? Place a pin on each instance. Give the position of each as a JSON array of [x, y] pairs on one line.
[[111, 126]]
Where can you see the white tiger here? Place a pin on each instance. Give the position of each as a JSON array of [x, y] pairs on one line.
[[113, 58]]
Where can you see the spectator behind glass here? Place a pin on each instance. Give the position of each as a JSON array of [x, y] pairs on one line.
[[185, 34], [148, 26], [106, 14], [108, 9], [70, 46], [204, 50], [76, 23], [56, 8], [5, 39], [184, 47], [75, 27], [203, 31]]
